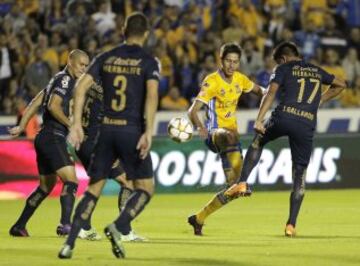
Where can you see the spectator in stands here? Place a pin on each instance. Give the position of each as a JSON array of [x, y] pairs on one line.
[[234, 32], [166, 72], [314, 10], [307, 39], [351, 97], [354, 40], [185, 76], [351, 65], [331, 37], [350, 10], [7, 107], [276, 22], [263, 75], [50, 55], [207, 66], [332, 66], [173, 101], [37, 74], [7, 59], [17, 18], [104, 18], [248, 16], [251, 60]]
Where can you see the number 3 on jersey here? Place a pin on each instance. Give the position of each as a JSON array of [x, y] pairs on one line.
[[118, 103]]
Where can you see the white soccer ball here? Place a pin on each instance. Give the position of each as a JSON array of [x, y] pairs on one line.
[[180, 129]]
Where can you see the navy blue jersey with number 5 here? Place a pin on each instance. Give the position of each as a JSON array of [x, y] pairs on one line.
[[300, 90], [123, 72]]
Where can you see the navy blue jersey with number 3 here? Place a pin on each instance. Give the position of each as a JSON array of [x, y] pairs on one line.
[[123, 72], [300, 89]]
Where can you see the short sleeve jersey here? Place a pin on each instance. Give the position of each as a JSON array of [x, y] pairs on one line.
[[123, 72], [62, 84], [300, 88], [222, 97]]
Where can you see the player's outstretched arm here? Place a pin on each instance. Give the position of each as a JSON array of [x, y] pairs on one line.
[[194, 118], [336, 87], [265, 105], [82, 86], [151, 104], [258, 90], [29, 112]]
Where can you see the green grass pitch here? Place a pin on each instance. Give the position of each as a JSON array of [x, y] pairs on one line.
[[246, 232]]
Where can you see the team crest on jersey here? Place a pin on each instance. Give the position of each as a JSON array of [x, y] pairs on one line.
[[238, 89], [222, 91], [205, 84], [65, 81]]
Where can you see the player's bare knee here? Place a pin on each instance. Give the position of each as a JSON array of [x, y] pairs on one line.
[[96, 187], [224, 137], [47, 183], [67, 174], [145, 184]]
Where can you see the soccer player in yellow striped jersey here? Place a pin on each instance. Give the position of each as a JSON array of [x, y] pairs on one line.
[[220, 92]]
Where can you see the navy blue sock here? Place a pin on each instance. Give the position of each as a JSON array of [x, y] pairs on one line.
[[133, 207], [67, 200], [297, 195], [82, 214], [32, 202], [124, 195], [252, 157]]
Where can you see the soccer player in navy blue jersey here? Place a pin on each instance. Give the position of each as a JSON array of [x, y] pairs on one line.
[[299, 84], [91, 121], [129, 77], [52, 155]]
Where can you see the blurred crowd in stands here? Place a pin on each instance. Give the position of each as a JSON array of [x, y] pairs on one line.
[[37, 35]]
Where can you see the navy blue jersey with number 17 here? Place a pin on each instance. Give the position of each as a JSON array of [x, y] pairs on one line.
[[300, 90], [123, 72]]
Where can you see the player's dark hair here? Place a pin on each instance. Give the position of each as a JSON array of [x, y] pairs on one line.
[[285, 49], [136, 25], [229, 48]]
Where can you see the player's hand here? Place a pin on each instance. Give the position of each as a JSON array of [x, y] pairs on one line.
[[15, 131], [144, 145], [76, 136], [203, 133], [259, 127]]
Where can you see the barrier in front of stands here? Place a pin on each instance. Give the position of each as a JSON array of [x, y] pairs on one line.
[[329, 121], [190, 167]]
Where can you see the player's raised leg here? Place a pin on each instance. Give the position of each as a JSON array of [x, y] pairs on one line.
[[46, 185]]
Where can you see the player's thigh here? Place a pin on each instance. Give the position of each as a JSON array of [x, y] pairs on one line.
[[103, 157], [134, 167], [86, 150], [221, 138], [275, 128], [51, 153], [301, 143], [67, 173]]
